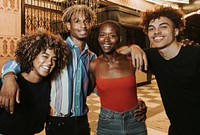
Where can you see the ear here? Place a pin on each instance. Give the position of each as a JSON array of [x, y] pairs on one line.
[[68, 26], [176, 32]]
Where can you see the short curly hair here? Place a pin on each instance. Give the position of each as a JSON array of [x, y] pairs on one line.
[[175, 15], [29, 47], [68, 12]]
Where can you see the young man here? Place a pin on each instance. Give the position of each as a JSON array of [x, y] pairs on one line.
[[176, 68], [69, 91]]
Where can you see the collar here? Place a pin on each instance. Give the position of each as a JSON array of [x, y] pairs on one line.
[[74, 46]]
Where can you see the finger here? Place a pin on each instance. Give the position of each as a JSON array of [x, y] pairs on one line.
[[137, 59], [133, 60], [137, 113], [141, 62], [6, 104], [1, 100], [11, 105], [140, 118], [18, 96], [145, 61]]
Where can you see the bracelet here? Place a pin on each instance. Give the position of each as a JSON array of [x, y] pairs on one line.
[[6, 76], [10, 76]]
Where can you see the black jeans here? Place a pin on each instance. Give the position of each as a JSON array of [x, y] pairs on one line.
[[67, 126]]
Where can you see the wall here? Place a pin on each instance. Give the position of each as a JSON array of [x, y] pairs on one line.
[[10, 28]]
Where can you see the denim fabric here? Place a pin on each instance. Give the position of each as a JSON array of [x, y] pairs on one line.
[[119, 123]]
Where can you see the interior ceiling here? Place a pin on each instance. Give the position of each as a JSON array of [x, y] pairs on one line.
[[193, 6]]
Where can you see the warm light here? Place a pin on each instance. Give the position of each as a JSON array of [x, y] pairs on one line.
[[192, 13], [58, 0], [164, 3], [180, 1]]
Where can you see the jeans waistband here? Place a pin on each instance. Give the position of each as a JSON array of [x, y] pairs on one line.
[[131, 111], [61, 119]]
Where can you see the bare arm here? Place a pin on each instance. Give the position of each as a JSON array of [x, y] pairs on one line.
[[138, 56], [9, 93], [92, 77]]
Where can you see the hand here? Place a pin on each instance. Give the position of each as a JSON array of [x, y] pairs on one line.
[[9, 94], [138, 56], [186, 42], [141, 111]]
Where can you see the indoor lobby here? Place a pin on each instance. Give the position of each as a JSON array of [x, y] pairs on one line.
[[20, 17]]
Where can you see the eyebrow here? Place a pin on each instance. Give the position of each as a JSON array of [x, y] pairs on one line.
[[164, 23], [49, 54]]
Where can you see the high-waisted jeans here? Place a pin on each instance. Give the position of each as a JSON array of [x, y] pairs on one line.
[[119, 123]]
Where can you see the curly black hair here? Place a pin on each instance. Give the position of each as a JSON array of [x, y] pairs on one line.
[[175, 15], [30, 46]]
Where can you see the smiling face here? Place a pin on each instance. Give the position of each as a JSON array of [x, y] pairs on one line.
[[79, 26], [108, 37], [161, 32], [44, 63]]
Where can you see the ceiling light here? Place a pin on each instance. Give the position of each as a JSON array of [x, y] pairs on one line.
[[164, 3], [192, 13], [180, 1]]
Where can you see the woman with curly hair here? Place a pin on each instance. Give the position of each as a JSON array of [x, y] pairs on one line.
[[41, 56]]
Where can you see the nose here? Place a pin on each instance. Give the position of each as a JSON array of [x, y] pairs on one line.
[[82, 24], [49, 61], [107, 38], [157, 31]]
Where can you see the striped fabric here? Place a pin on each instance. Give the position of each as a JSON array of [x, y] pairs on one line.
[[69, 89]]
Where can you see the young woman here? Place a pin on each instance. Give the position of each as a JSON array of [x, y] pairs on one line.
[[114, 77], [40, 57]]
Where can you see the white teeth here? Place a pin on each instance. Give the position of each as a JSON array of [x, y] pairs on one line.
[[106, 45], [83, 32], [45, 67], [158, 38]]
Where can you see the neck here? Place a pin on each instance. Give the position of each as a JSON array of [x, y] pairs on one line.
[[31, 77], [110, 57], [170, 51], [80, 43]]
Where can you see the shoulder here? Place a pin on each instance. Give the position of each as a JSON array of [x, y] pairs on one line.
[[93, 64], [192, 48], [92, 54]]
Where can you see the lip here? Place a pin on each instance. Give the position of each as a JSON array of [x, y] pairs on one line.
[[106, 46], [83, 32], [45, 68]]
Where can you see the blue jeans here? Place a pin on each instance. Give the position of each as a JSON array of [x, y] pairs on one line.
[[119, 123]]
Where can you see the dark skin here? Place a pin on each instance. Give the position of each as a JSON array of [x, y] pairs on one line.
[[10, 95], [111, 63]]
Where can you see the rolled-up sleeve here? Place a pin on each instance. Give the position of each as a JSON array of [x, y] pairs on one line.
[[10, 66]]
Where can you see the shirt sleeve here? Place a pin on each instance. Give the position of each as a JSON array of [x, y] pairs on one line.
[[10, 66]]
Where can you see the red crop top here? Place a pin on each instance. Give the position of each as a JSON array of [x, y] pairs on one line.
[[117, 94]]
